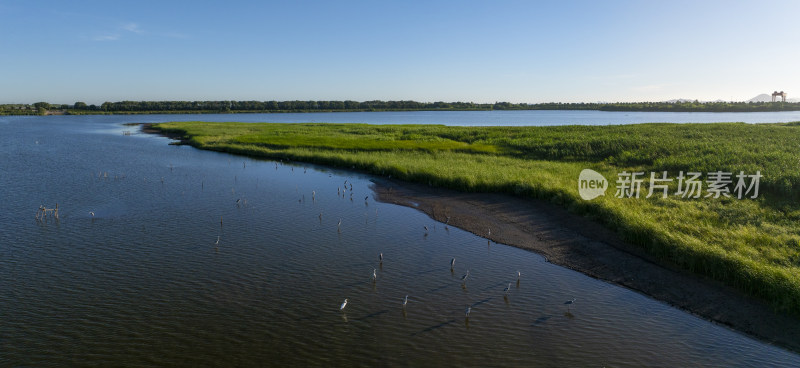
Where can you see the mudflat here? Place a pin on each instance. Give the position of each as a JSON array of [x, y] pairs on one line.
[[578, 243]]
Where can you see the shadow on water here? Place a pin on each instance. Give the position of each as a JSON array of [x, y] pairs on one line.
[[372, 315], [494, 286], [440, 288], [434, 327], [481, 302], [541, 320]]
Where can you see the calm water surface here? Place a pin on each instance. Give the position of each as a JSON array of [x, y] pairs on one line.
[[143, 284], [463, 118]]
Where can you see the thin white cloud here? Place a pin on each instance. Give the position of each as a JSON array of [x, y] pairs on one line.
[[132, 27], [106, 37], [126, 27]]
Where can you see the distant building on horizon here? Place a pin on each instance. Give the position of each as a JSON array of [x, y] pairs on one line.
[[776, 94]]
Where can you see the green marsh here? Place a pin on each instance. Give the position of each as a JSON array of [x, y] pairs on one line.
[[750, 244]]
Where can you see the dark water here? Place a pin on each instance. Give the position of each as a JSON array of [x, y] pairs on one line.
[[143, 284]]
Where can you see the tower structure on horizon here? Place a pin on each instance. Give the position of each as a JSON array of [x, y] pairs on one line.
[[776, 94]]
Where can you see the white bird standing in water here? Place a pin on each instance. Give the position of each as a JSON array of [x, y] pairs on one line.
[[380, 257], [217, 242], [405, 301], [91, 213], [344, 304], [467, 310], [374, 274], [452, 263], [519, 274]]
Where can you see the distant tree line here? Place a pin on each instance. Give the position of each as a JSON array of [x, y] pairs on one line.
[[143, 107], [696, 106]]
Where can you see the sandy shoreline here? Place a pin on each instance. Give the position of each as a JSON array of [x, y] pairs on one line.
[[580, 244]]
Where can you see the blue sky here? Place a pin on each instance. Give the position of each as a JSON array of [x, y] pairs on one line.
[[481, 51]]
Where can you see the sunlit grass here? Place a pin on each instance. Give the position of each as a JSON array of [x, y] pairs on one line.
[[751, 244]]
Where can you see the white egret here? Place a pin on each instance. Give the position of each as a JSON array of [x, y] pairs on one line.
[[217, 242], [405, 301], [467, 310], [380, 257], [374, 274], [344, 304]]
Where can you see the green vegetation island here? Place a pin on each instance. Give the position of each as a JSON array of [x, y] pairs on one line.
[[215, 107], [750, 243]]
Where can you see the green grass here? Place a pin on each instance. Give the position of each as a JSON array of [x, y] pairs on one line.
[[750, 244]]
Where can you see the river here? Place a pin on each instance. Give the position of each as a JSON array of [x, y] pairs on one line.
[[172, 256]]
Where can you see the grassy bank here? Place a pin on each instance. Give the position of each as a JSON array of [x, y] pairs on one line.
[[750, 244]]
